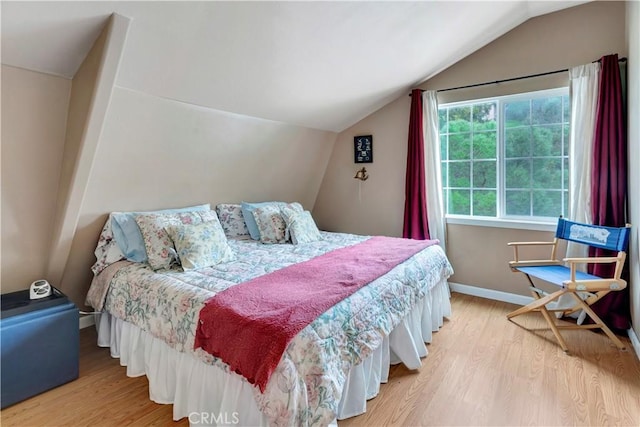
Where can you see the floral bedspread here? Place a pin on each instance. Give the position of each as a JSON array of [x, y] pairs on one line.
[[306, 387]]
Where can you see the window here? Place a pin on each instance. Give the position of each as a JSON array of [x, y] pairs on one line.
[[506, 157]]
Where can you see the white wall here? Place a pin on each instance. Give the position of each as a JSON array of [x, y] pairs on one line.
[[144, 153], [374, 206], [90, 93], [34, 114], [159, 153]]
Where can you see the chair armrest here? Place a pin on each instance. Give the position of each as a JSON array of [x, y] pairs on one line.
[[595, 285], [533, 263], [614, 283], [548, 261], [594, 260]]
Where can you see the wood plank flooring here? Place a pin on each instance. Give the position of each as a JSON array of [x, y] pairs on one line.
[[482, 370]]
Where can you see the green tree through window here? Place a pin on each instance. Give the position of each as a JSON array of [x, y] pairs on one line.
[[507, 156]]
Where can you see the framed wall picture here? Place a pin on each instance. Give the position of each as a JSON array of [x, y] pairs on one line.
[[363, 148]]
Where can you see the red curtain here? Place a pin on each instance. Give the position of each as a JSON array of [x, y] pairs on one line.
[[416, 224], [609, 183]]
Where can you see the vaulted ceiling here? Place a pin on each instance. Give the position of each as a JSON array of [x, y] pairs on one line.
[[322, 65]]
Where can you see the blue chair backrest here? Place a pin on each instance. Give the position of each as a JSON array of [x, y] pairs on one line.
[[598, 236]]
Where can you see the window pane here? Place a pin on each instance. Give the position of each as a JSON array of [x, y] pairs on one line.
[[518, 203], [444, 145], [484, 117], [547, 173], [445, 173], [547, 140], [517, 142], [521, 139], [460, 119], [566, 203], [460, 146], [442, 120], [484, 145], [546, 110], [517, 173], [547, 203], [459, 202], [517, 114], [484, 174], [484, 203], [459, 174]]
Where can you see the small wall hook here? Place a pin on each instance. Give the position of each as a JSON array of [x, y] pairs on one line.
[[362, 174]]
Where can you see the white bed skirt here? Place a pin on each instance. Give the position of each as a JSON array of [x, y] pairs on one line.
[[207, 395]]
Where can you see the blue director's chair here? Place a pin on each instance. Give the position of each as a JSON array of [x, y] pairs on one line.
[[569, 280]]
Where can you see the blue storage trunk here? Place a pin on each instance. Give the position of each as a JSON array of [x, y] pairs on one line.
[[40, 344]]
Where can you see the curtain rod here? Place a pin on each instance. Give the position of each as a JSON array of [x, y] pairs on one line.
[[512, 79]]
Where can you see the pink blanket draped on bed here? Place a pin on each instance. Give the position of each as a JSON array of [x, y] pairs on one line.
[[249, 325]]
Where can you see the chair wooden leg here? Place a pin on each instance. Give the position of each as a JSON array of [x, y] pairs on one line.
[[538, 303], [599, 322], [554, 328]]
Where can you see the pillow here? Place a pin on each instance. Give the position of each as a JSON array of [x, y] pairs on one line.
[[247, 214], [107, 250], [301, 226], [158, 245], [200, 245], [127, 234], [249, 219], [231, 219], [270, 223]]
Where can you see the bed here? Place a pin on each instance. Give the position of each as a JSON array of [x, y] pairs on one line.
[[149, 319]]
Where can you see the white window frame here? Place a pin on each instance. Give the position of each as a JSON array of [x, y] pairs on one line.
[[501, 220]]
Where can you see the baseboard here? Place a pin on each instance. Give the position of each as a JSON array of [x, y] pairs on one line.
[[490, 294], [634, 341], [87, 320]]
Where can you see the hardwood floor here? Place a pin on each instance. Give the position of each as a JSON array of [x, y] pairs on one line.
[[481, 370]]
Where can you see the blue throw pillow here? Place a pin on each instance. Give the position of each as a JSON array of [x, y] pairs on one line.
[[127, 233], [247, 214]]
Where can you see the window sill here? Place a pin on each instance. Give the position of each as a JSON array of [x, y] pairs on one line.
[[502, 223]]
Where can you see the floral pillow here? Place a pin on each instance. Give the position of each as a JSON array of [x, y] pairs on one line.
[[127, 233], [270, 224], [200, 245], [107, 250], [301, 226], [159, 246], [249, 217], [231, 219]]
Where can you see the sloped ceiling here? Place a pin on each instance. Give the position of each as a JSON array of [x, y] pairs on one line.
[[322, 65]]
